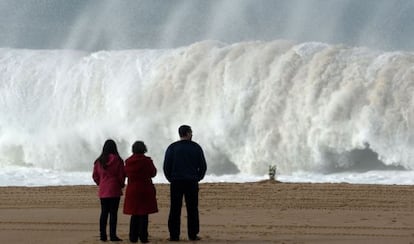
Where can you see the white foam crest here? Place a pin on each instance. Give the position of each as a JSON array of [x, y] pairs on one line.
[[24, 176], [307, 107]]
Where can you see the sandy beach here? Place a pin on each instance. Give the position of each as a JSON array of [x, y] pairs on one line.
[[260, 212]]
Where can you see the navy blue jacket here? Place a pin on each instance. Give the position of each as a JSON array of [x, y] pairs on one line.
[[184, 160]]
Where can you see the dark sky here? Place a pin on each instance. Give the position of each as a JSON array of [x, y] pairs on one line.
[[136, 24]]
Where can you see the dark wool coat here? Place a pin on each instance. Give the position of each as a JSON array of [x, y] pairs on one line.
[[140, 196]]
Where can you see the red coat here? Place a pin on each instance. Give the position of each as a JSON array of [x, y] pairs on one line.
[[110, 180], [140, 196]]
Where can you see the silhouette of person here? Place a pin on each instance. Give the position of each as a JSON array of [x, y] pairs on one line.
[[109, 175], [184, 166], [140, 195]]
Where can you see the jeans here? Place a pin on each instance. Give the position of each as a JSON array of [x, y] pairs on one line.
[[188, 189], [109, 206], [138, 228]]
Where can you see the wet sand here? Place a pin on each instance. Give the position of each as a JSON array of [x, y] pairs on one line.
[[261, 212]]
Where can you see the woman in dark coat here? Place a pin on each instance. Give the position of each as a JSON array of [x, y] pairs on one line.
[[140, 196]]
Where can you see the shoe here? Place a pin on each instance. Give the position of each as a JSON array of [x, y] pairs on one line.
[[173, 239], [133, 239], [116, 239], [144, 241], [195, 238], [103, 238]]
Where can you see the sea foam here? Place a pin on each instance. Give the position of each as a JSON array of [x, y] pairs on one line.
[[308, 108]]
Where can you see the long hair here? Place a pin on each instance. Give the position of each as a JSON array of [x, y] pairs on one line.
[[109, 147]]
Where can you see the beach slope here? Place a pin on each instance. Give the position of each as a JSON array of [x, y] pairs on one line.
[[260, 212]]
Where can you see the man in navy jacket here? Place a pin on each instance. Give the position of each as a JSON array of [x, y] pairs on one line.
[[184, 166]]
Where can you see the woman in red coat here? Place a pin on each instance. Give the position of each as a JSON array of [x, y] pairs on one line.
[[140, 196], [109, 175]]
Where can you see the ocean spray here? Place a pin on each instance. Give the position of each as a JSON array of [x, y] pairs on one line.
[[308, 107]]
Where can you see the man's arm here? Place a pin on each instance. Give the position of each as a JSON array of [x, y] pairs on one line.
[[167, 163], [202, 165]]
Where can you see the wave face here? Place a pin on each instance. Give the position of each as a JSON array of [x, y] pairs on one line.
[[309, 107]]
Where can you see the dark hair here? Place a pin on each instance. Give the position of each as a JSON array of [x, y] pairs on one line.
[[139, 147], [184, 130], [109, 147]]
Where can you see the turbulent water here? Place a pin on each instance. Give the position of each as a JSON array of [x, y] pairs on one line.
[[308, 108], [321, 90]]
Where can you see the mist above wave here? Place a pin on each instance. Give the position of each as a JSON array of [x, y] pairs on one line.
[[131, 24]]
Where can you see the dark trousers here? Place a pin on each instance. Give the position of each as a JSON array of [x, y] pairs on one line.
[[138, 228], [109, 206], [188, 189]]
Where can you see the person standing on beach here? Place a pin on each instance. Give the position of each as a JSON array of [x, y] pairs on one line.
[[109, 175], [184, 166], [140, 195]]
